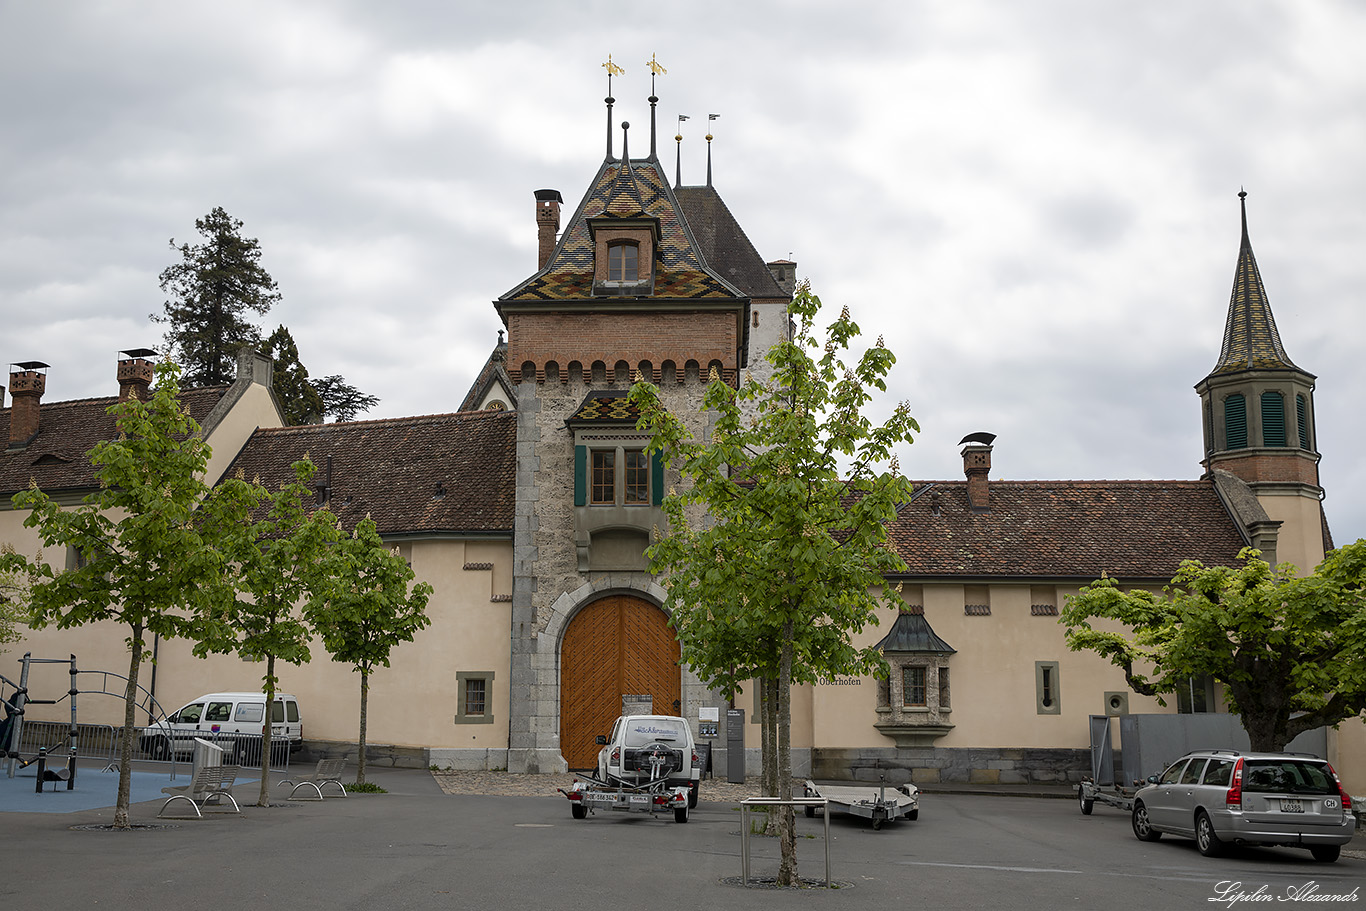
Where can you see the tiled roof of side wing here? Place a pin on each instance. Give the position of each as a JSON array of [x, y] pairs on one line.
[[67, 431], [641, 190], [724, 244], [444, 473], [1066, 529]]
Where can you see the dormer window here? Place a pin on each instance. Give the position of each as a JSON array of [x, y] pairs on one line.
[[623, 262], [624, 255]]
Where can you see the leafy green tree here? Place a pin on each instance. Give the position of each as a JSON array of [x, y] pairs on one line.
[[282, 564], [13, 600], [775, 557], [1290, 651], [153, 558], [211, 289], [300, 400], [342, 400], [370, 610]]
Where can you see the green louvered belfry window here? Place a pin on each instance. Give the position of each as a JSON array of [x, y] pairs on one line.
[[1273, 419], [656, 479], [1235, 422], [1302, 420]]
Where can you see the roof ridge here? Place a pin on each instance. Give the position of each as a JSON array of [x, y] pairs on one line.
[[412, 418]]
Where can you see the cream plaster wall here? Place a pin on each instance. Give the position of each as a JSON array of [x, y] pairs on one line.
[[1301, 535], [254, 409], [412, 703]]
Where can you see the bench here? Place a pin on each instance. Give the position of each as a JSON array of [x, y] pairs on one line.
[[328, 772], [208, 788]]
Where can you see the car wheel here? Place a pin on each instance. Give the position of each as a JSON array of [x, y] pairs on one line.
[[693, 788], [1087, 803], [1143, 826], [1205, 837], [158, 748], [578, 810], [913, 815], [680, 814], [1326, 854]]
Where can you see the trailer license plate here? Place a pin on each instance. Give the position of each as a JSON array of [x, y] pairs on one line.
[[1292, 806]]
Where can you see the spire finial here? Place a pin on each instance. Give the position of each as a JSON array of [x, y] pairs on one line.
[[678, 158], [625, 154], [612, 70], [710, 117], [1242, 203], [655, 70]]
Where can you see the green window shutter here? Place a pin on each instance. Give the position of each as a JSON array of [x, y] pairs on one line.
[[656, 479], [580, 475], [1235, 422], [1302, 420], [1273, 419]]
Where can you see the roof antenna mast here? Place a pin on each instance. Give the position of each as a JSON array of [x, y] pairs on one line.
[[678, 158], [655, 70], [612, 70], [710, 117]]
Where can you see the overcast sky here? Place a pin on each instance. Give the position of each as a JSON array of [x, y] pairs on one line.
[[1035, 203]]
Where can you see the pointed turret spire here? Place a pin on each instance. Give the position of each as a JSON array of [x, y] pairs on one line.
[[1251, 340], [710, 117], [655, 70], [678, 155]]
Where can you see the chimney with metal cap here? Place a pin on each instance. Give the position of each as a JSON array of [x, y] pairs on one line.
[[135, 374], [26, 387], [547, 223], [977, 466]]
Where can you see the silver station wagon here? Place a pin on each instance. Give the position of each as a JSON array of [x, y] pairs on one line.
[[1221, 797]]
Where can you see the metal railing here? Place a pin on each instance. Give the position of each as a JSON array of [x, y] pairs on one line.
[[778, 802], [100, 742]]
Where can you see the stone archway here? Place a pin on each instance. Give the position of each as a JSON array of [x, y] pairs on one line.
[[614, 646]]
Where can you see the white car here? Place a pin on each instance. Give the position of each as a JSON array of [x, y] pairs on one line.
[[647, 748], [223, 715]]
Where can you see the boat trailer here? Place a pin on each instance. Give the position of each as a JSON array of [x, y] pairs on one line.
[[878, 804]]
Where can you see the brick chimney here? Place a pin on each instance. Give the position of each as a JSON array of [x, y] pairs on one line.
[[547, 223], [977, 465], [135, 374], [26, 386]]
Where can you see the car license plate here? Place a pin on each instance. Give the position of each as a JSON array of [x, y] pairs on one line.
[[1292, 806]]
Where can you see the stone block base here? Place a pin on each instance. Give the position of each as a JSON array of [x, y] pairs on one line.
[[469, 760], [379, 755], [940, 765]]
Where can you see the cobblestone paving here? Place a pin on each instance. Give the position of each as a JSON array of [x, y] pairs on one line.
[[511, 784]]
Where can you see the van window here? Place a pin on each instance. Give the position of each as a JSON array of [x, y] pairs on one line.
[[277, 712], [218, 711], [250, 711], [190, 714], [292, 711]]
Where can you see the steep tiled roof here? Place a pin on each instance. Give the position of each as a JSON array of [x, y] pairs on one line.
[[444, 473], [1250, 337], [494, 373], [641, 191], [912, 633], [606, 407], [67, 431], [723, 243], [1066, 529]]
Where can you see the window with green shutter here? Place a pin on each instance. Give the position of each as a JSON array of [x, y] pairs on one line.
[[1235, 422], [1273, 419], [1302, 420], [580, 475]]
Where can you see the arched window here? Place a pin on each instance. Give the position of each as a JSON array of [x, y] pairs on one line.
[[1273, 419], [623, 264], [1302, 420], [1235, 422]]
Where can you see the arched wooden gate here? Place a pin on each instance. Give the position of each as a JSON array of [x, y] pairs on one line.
[[615, 646]]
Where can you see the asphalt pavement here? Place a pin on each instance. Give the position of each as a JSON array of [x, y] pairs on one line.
[[417, 847]]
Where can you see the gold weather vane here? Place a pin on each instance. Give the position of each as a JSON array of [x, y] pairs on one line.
[[612, 68], [654, 65]]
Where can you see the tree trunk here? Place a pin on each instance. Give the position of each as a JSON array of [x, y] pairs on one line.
[[264, 799], [364, 699], [768, 738], [787, 828], [130, 696]]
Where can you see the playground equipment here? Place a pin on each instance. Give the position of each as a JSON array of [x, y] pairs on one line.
[[89, 741]]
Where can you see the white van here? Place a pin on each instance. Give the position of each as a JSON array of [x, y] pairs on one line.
[[223, 714]]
